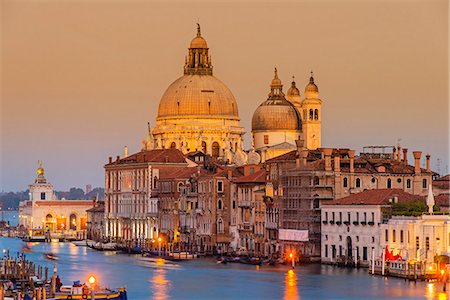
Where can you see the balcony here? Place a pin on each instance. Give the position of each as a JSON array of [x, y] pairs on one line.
[[364, 223], [347, 223], [245, 227], [356, 223], [371, 223], [244, 203]]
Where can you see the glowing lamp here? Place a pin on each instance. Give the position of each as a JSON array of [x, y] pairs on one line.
[[442, 272], [159, 239], [291, 255], [91, 280]]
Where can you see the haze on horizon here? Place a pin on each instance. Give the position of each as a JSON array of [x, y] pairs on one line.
[[80, 80]]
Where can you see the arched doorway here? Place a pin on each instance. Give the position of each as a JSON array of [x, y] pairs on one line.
[[73, 222], [204, 147], [173, 145], [215, 149], [349, 246], [49, 222]]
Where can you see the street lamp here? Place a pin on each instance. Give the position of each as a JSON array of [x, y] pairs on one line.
[[291, 256], [159, 246]]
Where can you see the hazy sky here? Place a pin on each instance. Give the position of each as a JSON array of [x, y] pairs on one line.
[[81, 79]]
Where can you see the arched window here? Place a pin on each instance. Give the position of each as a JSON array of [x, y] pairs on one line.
[[73, 222], [345, 182], [408, 183], [358, 182], [215, 149], [155, 181], [173, 145], [316, 180], [389, 183], [204, 147], [311, 114], [220, 225], [235, 146], [48, 218], [219, 204], [424, 183], [316, 114]]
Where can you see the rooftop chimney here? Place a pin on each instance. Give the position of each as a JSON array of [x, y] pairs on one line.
[[428, 163], [405, 156], [399, 152], [110, 159], [327, 153], [337, 162], [351, 154], [230, 173], [117, 158], [304, 156], [394, 153], [417, 155]]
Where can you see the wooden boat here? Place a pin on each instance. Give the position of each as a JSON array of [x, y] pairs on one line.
[[51, 256], [119, 294], [35, 235]]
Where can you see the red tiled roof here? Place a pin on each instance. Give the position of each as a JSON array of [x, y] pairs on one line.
[[442, 182], [442, 200], [375, 197], [257, 177], [152, 156], [179, 172], [287, 156]]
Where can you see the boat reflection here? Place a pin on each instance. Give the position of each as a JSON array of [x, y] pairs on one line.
[[291, 290]]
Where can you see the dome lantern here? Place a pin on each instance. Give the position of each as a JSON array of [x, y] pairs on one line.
[[198, 62], [311, 89]]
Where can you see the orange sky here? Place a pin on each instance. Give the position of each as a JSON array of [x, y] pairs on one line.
[[81, 79]]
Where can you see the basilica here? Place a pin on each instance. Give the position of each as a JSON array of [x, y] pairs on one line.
[[198, 112]]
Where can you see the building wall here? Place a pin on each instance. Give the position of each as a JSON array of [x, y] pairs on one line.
[[274, 138], [360, 233]]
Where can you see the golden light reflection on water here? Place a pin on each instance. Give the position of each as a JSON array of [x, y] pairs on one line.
[[73, 250], [291, 290], [442, 296], [160, 283]]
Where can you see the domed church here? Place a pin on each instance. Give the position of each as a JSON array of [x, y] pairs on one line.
[[281, 120], [198, 112]]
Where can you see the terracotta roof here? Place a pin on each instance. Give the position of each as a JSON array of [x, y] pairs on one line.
[[257, 177], [180, 172], [442, 200], [97, 209], [287, 156], [63, 202], [375, 197], [442, 182], [152, 156]]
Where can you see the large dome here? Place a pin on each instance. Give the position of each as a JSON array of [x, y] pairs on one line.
[[198, 95], [276, 115]]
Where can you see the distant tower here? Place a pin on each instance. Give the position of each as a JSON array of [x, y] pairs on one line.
[[311, 108], [293, 95], [41, 189]]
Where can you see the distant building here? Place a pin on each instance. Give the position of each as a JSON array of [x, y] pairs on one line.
[[88, 189], [96, 221], [351, 225], [132, 191], [45, 210]]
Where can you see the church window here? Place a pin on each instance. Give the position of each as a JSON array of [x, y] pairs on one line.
[[408, 183], [219, 186], [424, 183], [389, 183], [345, 182], [311, 114], [220, 225], [215, 149], [316, 180], [358, 182], [266, 139], [173, 145], [316, 114], [204, 147], [42, 196], [219, 204]]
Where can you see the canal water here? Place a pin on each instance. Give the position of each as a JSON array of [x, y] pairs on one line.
[[204, 279]]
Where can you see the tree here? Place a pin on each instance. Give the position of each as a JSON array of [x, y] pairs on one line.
[[76, 193]]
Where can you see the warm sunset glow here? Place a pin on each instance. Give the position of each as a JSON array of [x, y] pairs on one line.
[[291, 290], [91, 280]]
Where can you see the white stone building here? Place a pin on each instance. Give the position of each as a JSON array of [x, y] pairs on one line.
[[351, 225]]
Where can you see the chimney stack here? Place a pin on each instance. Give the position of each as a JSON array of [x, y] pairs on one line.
[[327, 153], [394, 153], [337, 162], [417, 155], [399, 152], [428, 163], [117, 158], [230, 173], [110, 159], [351, 155], [405, 156], [304, 156]]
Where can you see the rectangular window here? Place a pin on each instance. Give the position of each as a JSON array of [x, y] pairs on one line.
[[340, 250], [326, 250], [401, 236], [365, 217], [386, 235], [357, 217], [417, 243], [326, 216], [373, 217], [220, 186], [348, 214], [42, 196], [427, 243], [332, 215], [340, 216], [266, 139]]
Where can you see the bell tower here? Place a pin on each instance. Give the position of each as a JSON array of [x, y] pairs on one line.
[[311, 107]]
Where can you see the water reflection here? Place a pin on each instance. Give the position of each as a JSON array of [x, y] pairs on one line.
[[291, 290], [160, 284]]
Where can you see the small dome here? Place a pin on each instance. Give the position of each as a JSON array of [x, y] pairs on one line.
[[276, 115], [198, 42], [293, 90], [311, 87]]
